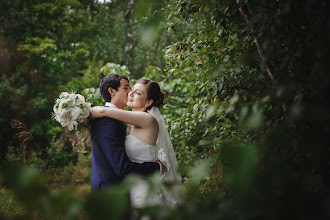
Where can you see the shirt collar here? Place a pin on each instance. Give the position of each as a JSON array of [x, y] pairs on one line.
[[108, 104]]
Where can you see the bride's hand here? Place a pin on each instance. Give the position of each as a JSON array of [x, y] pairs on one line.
[[97, 112], [163, 166]]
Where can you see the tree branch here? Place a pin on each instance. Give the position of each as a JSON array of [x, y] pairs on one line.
[[255, 40]]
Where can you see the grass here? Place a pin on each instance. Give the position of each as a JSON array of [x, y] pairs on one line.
[[10, 208]]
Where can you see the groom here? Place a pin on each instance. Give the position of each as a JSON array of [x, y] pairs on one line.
[[110, 163]]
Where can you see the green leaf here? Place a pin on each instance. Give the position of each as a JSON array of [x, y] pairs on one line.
[[112, 202]]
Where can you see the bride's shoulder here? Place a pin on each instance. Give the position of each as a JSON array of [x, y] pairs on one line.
[[152, 120]]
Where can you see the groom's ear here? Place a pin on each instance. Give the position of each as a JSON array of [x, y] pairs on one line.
[[111, 92]]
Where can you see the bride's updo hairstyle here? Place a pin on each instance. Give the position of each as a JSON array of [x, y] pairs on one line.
[[153, 92]]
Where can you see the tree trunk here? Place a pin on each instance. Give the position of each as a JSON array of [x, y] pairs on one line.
[[128, 17]]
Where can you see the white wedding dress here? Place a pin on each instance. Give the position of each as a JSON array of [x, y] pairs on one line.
[[140, 152]]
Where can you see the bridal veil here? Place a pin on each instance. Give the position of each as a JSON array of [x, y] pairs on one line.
[[173, 182]]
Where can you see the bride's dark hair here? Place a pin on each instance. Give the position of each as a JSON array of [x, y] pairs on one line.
[[153, 92]]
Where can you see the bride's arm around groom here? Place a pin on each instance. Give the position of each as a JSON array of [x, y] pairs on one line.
[[110, 163]]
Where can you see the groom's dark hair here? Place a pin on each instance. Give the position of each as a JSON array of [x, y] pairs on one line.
[[112, 80]]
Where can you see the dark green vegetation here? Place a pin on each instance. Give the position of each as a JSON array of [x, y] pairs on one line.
[[247, 102]]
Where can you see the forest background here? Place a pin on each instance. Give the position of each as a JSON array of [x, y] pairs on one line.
[[247, 103]]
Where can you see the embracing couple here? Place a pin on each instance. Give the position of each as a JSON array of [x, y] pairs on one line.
[[142, 147]]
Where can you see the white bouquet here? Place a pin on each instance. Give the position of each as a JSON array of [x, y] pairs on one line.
[[71, 109]]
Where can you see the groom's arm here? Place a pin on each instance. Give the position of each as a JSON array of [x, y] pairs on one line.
[[111, 140]]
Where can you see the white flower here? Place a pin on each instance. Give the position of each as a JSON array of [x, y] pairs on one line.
[[64, 95], [75, 112], [79, 100], [70, 122], [97, 94], [72, 96], [70, 109], [55, 108]]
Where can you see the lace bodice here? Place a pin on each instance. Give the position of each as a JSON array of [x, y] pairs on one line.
[[138, 151]]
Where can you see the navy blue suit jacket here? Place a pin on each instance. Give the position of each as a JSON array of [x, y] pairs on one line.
[[110, 163]]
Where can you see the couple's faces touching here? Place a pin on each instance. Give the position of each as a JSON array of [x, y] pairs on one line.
[[135, 98], [119, 96]]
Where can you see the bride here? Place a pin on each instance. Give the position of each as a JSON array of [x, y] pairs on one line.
[[147, 140]]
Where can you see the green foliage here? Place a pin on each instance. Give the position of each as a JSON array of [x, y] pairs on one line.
[[112, 68], [112, 202], [31, 191], [93, 96], [246, 86]]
